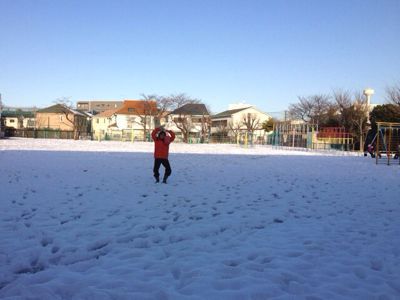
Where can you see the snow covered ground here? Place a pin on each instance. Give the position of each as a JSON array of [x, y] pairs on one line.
[[85, 220]]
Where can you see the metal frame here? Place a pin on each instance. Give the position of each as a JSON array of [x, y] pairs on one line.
[[386, 141]]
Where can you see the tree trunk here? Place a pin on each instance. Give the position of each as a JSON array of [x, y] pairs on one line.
[[185, 137], [361, 136]]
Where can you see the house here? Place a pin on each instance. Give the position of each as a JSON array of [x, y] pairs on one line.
[[133, 120], [63, 118], [239, 122], [18, 119], [190, 122], [97, 106], [102, 122]]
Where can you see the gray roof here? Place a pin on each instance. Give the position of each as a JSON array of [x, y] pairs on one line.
[[60, 109], [16, 114], [192, 109], [56, 109], [228, 113]]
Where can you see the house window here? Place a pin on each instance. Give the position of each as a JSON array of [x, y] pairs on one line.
[[222, 123], [196, 120], [131, 110], [179, 119], [61, 118], [97, 121], [12, 120]]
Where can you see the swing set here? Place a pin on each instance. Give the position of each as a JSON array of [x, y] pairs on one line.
[[387, 141]]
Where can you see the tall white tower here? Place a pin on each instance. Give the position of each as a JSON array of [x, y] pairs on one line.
[[368, 92]]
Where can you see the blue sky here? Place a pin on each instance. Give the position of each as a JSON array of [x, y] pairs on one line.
[[265, 53]]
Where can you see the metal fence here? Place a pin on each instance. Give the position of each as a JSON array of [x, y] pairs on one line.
[[45, 133]]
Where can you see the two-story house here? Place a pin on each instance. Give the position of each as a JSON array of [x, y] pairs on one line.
[[190, 122], [62, 118], [244, 121], [134, 120], [103, 122]]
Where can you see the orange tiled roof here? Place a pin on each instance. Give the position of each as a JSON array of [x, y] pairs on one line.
[[106, 114], [137, 107]]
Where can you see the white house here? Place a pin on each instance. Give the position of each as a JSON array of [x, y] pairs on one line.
[[134, 120], [190, 122], [102, 122], [241, 120]]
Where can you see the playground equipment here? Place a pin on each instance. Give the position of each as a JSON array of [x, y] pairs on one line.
[[387, 141], [304, 135], [292, 134], [336, 138]]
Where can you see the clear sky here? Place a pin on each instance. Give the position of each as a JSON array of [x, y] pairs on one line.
[[260, 52]]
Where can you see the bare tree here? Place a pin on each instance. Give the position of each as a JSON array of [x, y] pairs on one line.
[[184, 119], [235, 128], [360, 115], [301, 110], [393, 94], [344, 102], [311, 109], [251, 122], [353, 113], [65, 101], [178, 100], [205, 127], [164, 105], [321, 108], [222, 128], [146, 114], [184, 124]]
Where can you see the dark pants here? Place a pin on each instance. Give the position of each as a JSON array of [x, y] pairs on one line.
[[157, 163]]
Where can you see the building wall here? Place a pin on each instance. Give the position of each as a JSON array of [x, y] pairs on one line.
[[98, 106], [238, 117], [15, 123], [29, 122], [133, 122], [59, 121], [100, 125], [130, 124], [12, 122]]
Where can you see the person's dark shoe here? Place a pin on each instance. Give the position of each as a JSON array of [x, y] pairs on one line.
[[164, 180], [157, 179]]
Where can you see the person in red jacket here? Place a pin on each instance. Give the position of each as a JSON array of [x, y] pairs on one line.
[[162, 138]]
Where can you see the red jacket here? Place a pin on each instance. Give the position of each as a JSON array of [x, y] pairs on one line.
[[161, 147]]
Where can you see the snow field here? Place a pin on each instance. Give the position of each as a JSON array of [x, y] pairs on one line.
[[82, 222]]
